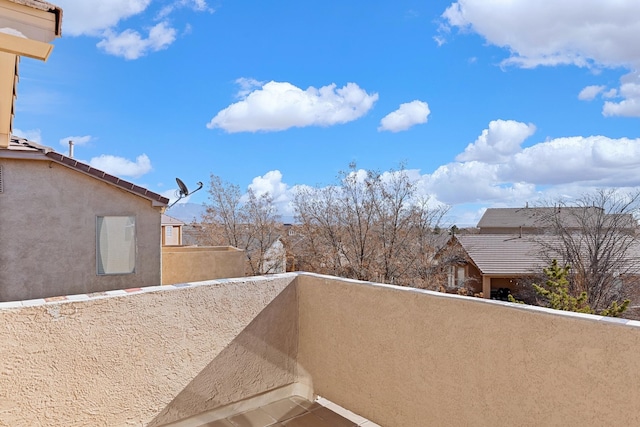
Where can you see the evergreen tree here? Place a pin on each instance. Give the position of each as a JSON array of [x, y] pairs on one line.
[[557, 295]]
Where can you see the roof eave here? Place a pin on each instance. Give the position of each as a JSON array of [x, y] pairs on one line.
[[156, 199]]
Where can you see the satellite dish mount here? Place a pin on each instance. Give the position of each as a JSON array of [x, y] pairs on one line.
[[183, 191]]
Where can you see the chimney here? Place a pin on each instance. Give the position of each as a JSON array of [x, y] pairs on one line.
[[71, 149]]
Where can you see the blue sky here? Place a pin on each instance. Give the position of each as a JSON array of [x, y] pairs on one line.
[[487, 103]]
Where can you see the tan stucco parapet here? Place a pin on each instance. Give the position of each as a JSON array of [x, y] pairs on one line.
[[293, 275], [8, 305], [171, 355]]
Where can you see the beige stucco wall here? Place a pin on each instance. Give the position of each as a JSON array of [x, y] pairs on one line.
[[48, 232], [409, 358], [192, 264], [146, 359], [398, 356]]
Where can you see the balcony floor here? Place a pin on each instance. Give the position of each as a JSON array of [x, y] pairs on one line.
[[294, 411]]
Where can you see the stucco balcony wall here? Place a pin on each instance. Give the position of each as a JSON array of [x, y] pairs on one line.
[[407, 357], [182, 264], [145, 357], [397, 356]]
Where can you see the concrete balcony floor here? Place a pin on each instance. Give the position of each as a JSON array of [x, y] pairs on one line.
[[293, 411]]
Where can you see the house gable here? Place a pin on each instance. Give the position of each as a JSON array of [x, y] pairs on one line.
[[21, 148]]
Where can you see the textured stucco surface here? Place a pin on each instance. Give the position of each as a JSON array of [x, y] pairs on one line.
[[191, 264], [398, 357], [149, 358], [406, 358], [48, 230]]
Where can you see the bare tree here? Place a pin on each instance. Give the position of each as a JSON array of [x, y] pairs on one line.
[[319, 246], [356, 216], [263, 229], [224, 216], [597, 236], [370, 227], [247, 222]]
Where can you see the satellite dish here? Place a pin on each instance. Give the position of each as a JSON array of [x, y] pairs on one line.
[[183, 191], [182, 188]]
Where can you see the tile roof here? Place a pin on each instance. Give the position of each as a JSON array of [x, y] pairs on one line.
[[169, 220], [528, 217], [23, 145], [503, 254]]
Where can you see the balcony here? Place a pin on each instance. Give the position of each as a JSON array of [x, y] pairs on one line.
[[191, 354]]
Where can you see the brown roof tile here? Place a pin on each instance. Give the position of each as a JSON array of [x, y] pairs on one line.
[[503, 254], [528, 217]]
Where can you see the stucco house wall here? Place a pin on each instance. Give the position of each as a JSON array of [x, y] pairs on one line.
[[48, 232]]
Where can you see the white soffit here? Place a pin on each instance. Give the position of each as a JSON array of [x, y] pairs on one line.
[[31, 23]]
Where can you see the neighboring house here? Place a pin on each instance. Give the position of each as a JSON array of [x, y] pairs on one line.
[[275, 258], [171, 231], [509, 247], [67, 228], [524, 221], [494, 262]]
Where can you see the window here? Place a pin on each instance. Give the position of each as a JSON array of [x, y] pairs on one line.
[[116, 244], [169, 231], [460, 276]]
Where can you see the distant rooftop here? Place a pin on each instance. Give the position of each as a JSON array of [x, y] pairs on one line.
[[503, 254], [527, 217], [169, 220]]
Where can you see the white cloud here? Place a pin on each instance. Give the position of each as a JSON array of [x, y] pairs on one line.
[[280, 192], [271, 183], [279, 105], [593, 161], [409, 114], [629, 90], [119, 166], [196, 5], [131, 45], [102, 19], [590, 92], [550, 32], [77, 140], [82, 17], [585, 33], [247, 85], [486, 173], [472, 182], [499, 142], [34, 135]]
